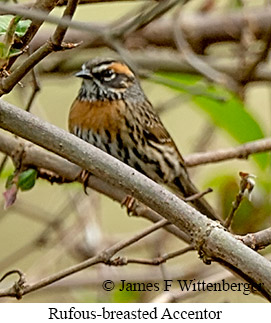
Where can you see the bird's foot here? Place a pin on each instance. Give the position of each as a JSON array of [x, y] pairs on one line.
[[129, 203], [84, 177]]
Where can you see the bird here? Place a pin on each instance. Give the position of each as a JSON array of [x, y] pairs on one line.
[[112, 112]]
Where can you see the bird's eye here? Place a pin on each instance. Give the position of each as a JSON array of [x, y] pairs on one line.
[[107, 73], [104, 75]]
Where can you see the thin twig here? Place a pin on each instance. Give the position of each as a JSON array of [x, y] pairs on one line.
[[201, 30], [205, 136], [11, 272], [123, 244], [44, 6], [257, 240], [103, 257], [65, 22], [41, 238], [89, 280], [198, 195], [52, 45], [239, 152], [146, 16], [64, 3], [159, 260], [200, 65], [246, 185], [260, 58], [35, 87], [19, 285], [3, 163], [172, 103]]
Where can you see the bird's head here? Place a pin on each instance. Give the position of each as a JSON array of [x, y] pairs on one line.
[[106, 79]]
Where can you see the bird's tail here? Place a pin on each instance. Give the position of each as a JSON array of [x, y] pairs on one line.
[[187, 188]]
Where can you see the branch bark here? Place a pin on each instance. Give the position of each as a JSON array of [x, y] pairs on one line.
[[147, 59], [21, 288], [240, 152], [41, 159], [200, 30], [44, 5], [208, 237], [51, 45]]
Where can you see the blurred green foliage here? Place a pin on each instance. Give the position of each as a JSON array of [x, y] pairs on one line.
[[226, 110], [10, 27]]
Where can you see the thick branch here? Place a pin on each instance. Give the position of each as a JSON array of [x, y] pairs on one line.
[[208, 237], [204, 30], [41, 159]]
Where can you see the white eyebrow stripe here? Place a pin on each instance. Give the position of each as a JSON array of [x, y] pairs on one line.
[[100, 68]]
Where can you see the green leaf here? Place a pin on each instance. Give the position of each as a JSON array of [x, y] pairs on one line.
[[189, 84], [27, 179], [233, 117], [21, 25], [229, 114], [4, 23]]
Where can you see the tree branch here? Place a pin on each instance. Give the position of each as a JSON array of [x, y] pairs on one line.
[[257, 240], [46, 6], [18, 290], [198, 64], [54, 44], [61, 3], [41, 159], [239, 152], [158, 260], [208, 237], [200, 30]]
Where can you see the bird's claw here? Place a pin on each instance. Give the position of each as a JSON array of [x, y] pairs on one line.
[[128, 202], [84, 177]]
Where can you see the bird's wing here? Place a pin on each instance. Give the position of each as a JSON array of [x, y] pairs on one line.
[[157, 133], [154, 131]]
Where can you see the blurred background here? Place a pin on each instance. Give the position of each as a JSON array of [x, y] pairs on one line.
[[51, 227]]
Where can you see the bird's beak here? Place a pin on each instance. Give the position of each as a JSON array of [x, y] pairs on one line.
[[85, 74]]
